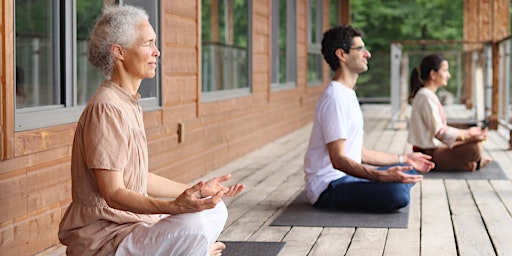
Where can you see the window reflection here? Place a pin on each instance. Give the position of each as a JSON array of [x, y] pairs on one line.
[[284, 39], [314, 74], [36, 59], [225, 27], [88, 77], [38, 53]]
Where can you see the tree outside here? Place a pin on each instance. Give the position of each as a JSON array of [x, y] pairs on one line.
[[383, 21]]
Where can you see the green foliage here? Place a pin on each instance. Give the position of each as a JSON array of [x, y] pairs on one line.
[[86, 13], [33, 17], [386, 20], [240, 18]]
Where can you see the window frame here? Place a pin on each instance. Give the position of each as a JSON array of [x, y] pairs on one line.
[[69, 111]]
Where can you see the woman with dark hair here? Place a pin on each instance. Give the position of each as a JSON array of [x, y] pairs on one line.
[[451, 149]]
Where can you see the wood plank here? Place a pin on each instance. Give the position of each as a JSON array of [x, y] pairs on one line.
[[437, 236], [368, 241], [470, 232], [263, 182], [504, 190], [384, 140], [300, 240], [270, 233], [325, 244], [495, 215], [496, 147], [406, 242], [250, 221]]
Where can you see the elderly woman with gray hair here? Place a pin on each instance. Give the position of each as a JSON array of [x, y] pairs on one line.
[[118, 206]]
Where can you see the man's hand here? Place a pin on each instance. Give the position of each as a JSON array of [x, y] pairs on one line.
[[214, 185], [420, 162], [398, 174]]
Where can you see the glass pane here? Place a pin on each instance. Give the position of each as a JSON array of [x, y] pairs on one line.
[[334, 13], [314, 67], [282, 41], [313, 25], [225, 27], [88, 77], [37, 32]]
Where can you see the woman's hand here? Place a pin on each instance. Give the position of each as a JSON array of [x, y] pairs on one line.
[[476, 134], [189, 201], [214, 185]]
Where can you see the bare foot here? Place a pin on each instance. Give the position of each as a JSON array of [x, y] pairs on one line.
[[485, 161], [216, 248], [471, 166]]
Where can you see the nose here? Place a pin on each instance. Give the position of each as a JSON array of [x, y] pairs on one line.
[[156, 52], [367, 53]]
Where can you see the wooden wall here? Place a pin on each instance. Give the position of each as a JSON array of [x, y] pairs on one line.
[[35, 186]]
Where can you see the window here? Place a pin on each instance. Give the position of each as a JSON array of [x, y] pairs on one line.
[[284, 48], [315, 59], [334, 13], [54, 79], [225, 58]]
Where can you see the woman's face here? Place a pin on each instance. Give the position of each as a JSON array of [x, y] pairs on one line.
[[440, 78], [141, 57]]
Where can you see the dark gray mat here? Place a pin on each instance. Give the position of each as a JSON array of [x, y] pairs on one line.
[[491, 171], [250, 248], [301, 213]]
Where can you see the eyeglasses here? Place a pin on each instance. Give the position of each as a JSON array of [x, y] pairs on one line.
[[361, 48]]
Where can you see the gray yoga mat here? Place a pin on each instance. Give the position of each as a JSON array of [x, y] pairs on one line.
[[301, 213], [491, 171], [250, 248]]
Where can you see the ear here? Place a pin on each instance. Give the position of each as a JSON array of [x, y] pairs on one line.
[[117, 51], [432, 74], [340, 53]]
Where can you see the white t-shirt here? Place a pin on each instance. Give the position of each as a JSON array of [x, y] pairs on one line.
[[337, 116]]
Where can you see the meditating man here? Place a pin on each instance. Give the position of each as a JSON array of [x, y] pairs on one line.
[[334, 173]]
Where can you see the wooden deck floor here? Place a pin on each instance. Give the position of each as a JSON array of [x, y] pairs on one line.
[[447, 217]]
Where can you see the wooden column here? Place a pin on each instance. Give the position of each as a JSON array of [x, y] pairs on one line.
[[345, 11], [7, 80]]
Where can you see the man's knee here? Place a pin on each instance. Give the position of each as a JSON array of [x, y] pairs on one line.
[[400, 198]]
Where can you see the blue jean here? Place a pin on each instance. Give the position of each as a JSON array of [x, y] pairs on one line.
[[352, 193]]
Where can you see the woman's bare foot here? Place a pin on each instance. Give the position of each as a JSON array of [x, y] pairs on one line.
[[471, 166], [216, 248], [485, 161]]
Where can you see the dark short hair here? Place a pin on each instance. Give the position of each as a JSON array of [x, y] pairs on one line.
[[335, 38]]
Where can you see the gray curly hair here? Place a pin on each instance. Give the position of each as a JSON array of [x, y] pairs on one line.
[[115, 26]]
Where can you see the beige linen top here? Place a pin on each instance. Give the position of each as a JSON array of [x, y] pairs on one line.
[[427, 126], [110, 135]]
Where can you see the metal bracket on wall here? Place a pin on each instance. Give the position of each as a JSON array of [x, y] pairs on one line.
[[181, 132]]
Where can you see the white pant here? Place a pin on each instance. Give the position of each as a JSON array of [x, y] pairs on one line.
[[187, 234]]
